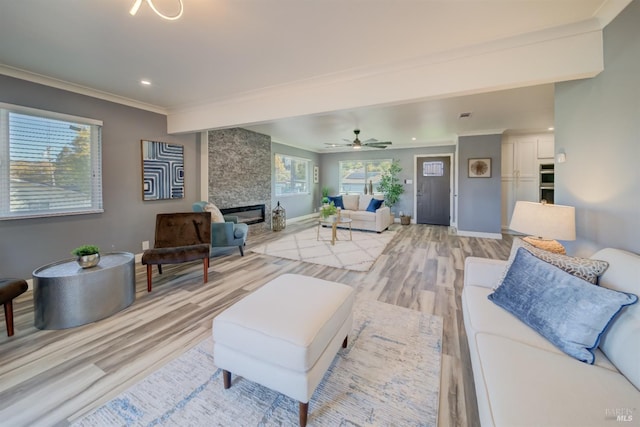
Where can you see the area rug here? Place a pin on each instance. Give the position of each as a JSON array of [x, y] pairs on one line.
[[388, 375], [358, 254]]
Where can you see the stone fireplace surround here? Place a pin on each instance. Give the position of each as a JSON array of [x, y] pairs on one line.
[[240, 171]]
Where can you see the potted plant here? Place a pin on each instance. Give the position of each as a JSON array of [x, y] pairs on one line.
[[390, 185], [87, 256], [325, 195], [327, 210]]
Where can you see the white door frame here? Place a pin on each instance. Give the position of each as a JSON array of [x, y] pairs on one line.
[[453, 218]]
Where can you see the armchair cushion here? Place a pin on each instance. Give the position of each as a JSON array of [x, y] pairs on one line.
[[216, 215]]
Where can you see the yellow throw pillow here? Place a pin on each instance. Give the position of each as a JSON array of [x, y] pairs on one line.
[[216, 215]]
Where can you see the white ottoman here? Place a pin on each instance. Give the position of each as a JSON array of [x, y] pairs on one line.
[[285, 335]]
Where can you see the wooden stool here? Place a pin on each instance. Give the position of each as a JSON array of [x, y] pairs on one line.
[[10, 289]]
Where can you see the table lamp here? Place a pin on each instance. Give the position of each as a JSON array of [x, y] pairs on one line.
[[544, 223]]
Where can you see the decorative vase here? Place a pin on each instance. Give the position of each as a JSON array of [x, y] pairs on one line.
[[88, 261]]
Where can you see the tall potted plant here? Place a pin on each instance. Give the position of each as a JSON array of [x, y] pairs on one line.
[[390, 184], [325, 195]]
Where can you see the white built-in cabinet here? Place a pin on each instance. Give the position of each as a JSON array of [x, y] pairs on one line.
[[521, 159]]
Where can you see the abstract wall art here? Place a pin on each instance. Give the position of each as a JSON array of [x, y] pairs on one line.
[[162, 171]]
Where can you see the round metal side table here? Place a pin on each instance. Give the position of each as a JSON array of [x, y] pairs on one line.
[[66, 295]]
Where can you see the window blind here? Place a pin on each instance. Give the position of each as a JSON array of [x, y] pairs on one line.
[[50, 163]]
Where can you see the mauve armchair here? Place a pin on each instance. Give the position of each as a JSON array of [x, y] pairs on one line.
[[228, 233]]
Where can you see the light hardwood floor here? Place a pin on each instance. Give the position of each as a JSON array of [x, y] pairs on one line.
[[53, 377]]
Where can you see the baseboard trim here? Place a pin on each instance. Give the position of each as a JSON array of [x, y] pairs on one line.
[[497, 236], [302, 218]]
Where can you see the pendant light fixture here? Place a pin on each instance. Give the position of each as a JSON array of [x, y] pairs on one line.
[[137, 4]]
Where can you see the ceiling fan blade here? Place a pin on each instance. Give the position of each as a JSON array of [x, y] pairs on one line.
[[330, 144], [370, 140], [372, 144]]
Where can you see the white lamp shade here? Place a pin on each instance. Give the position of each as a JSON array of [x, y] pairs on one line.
[[544, 220]]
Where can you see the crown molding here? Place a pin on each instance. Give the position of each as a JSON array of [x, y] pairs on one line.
[[75, 88]]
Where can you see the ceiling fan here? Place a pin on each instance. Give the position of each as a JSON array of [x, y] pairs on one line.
[[356, 144]]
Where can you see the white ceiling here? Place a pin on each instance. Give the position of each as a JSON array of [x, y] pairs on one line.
[[222, 50]]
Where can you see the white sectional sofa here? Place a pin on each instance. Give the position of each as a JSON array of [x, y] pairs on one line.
[[355, 207], [521, 379]]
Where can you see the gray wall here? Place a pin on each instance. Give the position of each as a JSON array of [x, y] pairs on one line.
[[298, 205], [479, 199], [26, 244], [597, 125], [330, 164]]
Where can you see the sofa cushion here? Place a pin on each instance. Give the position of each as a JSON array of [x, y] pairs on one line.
[[216, 215], [363, 203], [337, 201], [350, 201], [565, 309], [621, 341], [374, 205], [363, 216], [585, 268], [527, 386]]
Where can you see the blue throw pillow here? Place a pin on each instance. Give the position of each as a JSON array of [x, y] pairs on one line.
[[568, 311], [337, 201], [374, 205]]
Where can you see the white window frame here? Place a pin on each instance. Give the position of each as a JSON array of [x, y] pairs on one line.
[[366, 178], [307, 178], [95, 142]]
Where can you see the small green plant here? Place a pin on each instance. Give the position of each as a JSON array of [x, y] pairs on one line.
[[328, 210], [390, 185], [85, 250], [325, 194]]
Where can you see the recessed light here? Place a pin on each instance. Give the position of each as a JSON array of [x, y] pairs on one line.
[[145, 82], [551, 128], [413, 139]]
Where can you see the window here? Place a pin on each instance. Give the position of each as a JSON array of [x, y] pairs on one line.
[[355, 174], [50, 163], [292, 175]]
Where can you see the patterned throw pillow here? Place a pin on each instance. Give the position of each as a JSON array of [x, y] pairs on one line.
[[585, 268], [216, 215]]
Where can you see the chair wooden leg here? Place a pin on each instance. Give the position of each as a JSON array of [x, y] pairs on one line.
[[345, 342], [241, 250], [149, 273], [303, 411], [226, 378], [8, 317], [206, 269], [159, 268]]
